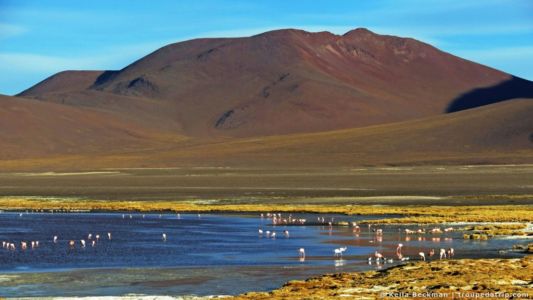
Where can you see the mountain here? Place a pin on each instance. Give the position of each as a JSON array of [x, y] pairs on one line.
[[286, 98], [278, 82]]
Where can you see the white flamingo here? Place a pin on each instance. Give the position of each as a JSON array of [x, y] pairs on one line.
[[55, 239], [164, 236], [109, 235], [339, 251], [442, 253], [82, 243], [301, 253], [422, 256]]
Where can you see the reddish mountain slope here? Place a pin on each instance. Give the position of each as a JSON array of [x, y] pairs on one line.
[[30, 128], [279, 82], [66, 81], [497, 133]]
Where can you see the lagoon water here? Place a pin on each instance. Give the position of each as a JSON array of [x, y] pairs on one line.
[[203, 255]]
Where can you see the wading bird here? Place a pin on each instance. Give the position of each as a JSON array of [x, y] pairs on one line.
[[339, 251], [442, 253], [422, 256], [301, 253]]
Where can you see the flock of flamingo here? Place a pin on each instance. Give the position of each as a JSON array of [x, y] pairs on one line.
[[277, 219], [377, 257]]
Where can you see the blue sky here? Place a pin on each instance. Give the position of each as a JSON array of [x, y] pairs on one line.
[[40, 38]]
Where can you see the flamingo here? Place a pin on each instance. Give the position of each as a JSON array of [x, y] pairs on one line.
[[55, 239], [260, 231], [301, 253], [82, 243], [378, 256], [273, 235], [71, 243], [442, 253], [93, 243], [23, 245], [422, 256], [339, 251], [436, 230], [90, 236], [286, 233], [450, 253], [431, 252], [164, 237], [97, 237], [399, 251], [109, 235]]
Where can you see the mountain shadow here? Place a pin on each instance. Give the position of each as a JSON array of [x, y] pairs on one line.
[[513, 88]]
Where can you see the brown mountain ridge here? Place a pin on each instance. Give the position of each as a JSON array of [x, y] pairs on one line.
[[278, 82], [279, 85]]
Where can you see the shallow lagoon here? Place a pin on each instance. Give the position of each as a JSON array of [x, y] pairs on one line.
[[203, 255]]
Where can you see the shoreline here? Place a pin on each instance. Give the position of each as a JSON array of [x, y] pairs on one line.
[[359, 285]]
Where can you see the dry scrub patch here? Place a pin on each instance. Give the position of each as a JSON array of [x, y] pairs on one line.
[[445, 277]]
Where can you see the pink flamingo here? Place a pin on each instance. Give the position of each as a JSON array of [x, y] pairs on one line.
[[450, 253], [399, 251]]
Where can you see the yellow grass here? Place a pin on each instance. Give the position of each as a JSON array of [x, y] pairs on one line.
[[413, 214]]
